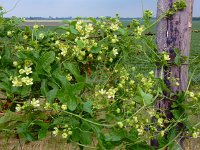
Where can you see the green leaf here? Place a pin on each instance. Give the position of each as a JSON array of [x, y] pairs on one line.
[[9, 118], [93, 20], [45, 60], [85, 137], [146, 97], [162, 142], [76, 135], [43, 129], [80, 44], [87, 107], [44, 88], [6, 56], [72, 30], [73, 70], [32, 55], [5, 86], [132, 135], [72, 103], [77, 87], [178, 112], [140, 146], [62, 81], [115, 136], [95, 49], [29, 136], [175, 145], [51, 95], [122, 31], [25, 91], [22, 130], [69, 95], [177, 60], [138, 99]]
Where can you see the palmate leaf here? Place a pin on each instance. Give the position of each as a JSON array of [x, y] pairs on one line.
[[44, 62], [143, 97], [32, 55], [51, 95], [6, 56], [5, 86], [22, 130], [73, 30], [80, 44], [43, 129], [69, 94], [44, 89], [115, 136], [87, 106], [9, 119]]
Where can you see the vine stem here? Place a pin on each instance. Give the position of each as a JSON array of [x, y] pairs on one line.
[[84, 145], [95, 123], [170, 141]]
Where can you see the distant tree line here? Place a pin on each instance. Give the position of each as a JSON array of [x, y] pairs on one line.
[[70, 17], [196, 18]]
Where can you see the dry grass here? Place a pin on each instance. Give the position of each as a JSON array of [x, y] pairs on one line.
[[49, 23], [47, 144], [60, 144]]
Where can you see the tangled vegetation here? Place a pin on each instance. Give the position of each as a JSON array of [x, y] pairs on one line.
[[80, 83]]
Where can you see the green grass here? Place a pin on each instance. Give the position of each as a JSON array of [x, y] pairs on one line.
[[194, 59], [195, 54]]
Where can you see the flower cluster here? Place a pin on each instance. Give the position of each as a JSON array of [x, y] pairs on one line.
[[55, 107], [35, 103], [196, 133], [84, 28], [165, 56], [65, 132], [23, 78]]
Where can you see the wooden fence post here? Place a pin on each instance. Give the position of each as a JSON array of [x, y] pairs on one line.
[[173, 32]]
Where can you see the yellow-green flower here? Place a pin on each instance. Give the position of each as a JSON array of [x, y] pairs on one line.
[[21, 71], [195, 135], [18, 108], [47, 106], [27, 80], [41, 35], [120, 124], [115, 52], [17, 81], [55, 132], [35, 27], [69, 77], [140, 30], [114, 27], [9, 33], [64, 135], [28, 70], [25, 37], [35, 103], [64, 107]]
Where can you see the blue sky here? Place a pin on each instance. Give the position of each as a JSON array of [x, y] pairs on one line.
[[84, 8]]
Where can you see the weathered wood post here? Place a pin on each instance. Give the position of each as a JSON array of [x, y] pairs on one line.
[[173, 32]]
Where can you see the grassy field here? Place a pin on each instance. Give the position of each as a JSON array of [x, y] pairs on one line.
[[195, 53]]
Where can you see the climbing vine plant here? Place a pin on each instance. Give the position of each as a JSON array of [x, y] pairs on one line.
[[81, 83]]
